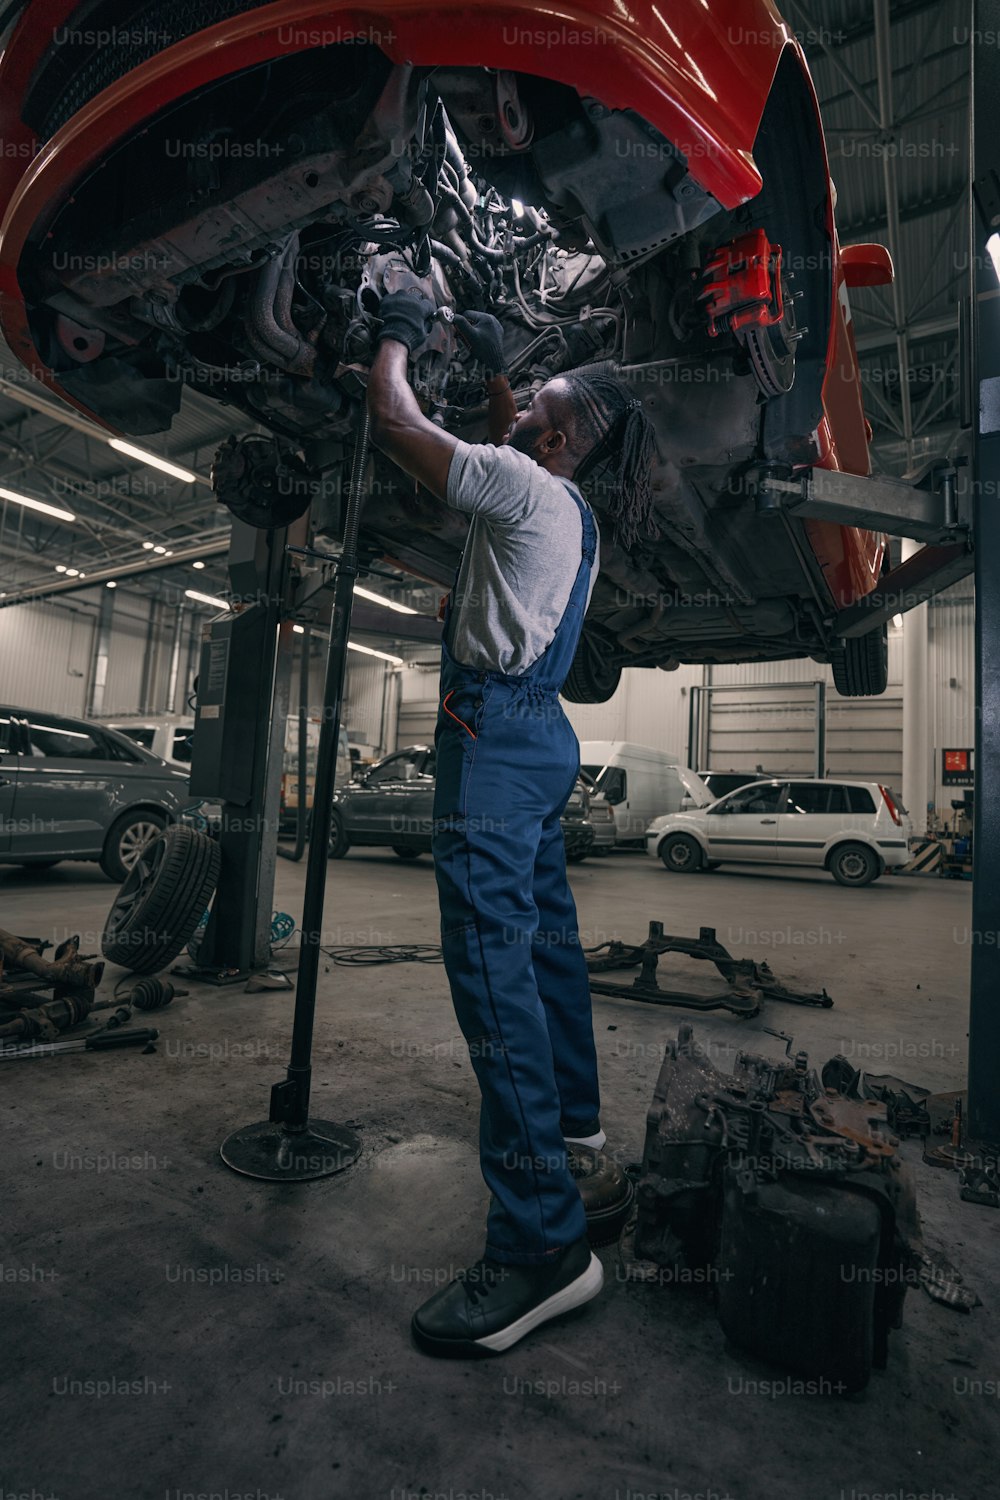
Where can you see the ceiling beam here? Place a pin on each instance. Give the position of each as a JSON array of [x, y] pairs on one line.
[[908, 213], [929, 328]]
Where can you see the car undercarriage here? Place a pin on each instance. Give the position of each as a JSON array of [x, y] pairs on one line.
[[241, 242]]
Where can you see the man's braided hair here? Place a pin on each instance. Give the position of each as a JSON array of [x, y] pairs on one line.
[[611, 424]]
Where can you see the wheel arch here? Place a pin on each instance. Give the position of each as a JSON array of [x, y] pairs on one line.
[[839, 841]]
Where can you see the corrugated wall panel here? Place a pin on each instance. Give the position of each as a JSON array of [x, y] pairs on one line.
[[363, 714], [122, 693], [45, 655], [864, 736], [367, 699], [418, 698]]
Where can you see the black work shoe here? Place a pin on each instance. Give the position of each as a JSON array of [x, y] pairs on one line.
[[490, 1306]]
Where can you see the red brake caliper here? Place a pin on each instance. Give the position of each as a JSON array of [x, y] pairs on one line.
[[743, 284]]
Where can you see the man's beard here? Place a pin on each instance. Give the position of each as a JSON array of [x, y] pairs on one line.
[[525, 438]]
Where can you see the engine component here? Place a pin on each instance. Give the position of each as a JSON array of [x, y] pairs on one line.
[[743, 296], [262, 481], [152, 994], [606, 1191], [790, 1200], [46, 1019], [68, 972]]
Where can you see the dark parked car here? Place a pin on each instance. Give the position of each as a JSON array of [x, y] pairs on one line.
[[73, 790], [392, 806]]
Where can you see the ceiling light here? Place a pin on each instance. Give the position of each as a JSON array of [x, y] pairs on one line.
[[153, 460], [32, 504], [72, 572], [897, 620], [403, 609], [206, 599], [82, 575], [197, 564], [60, 567], [370, 651], [168, 553], [147, 546], [159, 550], [111, 584], [299, 629]]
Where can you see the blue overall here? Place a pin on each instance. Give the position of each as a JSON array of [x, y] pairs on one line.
[[507, 761]]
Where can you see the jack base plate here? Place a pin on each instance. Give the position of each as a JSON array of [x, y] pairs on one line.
[[273, 1154]]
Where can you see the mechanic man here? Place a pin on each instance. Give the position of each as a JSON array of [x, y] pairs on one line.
[[507, 761]]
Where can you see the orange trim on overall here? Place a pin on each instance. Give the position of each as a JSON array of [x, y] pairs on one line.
[[444, 705]]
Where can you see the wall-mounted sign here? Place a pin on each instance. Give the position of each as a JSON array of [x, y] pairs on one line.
[[958, 767]]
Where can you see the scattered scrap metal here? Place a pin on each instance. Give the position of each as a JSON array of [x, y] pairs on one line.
[[26, 1011], [31, 1020], [790, 1201], [747, 984]]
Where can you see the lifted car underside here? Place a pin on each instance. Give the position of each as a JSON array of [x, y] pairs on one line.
[[241, 243]]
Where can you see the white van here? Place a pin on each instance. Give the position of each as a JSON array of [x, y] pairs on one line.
[[639, 783], [166, 735]]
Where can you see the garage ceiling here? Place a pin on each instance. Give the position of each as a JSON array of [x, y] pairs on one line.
[[893, 83]]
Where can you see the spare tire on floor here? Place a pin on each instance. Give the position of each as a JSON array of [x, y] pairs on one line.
[[161, 900]]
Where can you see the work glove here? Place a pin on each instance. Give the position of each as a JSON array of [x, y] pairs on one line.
[[407, 317], [484, 336]]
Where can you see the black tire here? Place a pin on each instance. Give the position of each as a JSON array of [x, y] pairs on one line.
[[402, 852], [861, 665], [681, 854], [854, 864], [339, 841], [577, 857], [126, 839], [162, 900], [591, 679]]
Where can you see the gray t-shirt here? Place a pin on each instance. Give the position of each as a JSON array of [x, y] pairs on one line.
[[521, 557]]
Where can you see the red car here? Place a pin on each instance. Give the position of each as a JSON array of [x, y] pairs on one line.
[[217, 195]]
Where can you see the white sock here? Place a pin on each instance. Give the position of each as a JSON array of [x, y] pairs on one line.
[[594, 1141]]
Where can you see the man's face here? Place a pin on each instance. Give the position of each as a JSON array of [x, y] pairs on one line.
[[532, 427]]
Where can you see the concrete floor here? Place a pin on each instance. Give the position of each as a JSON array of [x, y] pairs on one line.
[[255, 1337]]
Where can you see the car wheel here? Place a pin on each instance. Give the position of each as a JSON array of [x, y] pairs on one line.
[[854, 864], [402, 852], [577, 857], [590, 679], [861, 665], [162, 900], [127, 838], [339, 842], [681, 854]]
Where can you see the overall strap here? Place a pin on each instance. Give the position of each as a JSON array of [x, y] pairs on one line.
[[586, 518]]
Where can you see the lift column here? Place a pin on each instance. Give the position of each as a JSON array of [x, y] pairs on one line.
[[984, 1012]]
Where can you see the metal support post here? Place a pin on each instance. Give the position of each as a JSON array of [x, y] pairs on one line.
[[289, 1146], [984, 1011]]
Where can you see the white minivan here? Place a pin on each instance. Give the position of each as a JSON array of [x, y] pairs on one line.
[[639, 783]]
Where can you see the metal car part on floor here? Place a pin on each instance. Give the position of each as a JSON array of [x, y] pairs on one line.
[[748, 984]]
